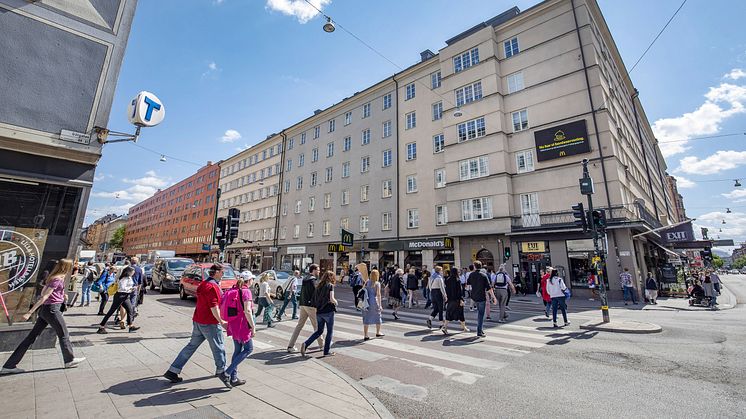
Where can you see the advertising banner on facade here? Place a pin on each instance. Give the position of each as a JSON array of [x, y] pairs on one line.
[[680, 233], [562, 140], [20, 257]]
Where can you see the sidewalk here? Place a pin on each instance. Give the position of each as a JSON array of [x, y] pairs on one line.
[[122, 377]]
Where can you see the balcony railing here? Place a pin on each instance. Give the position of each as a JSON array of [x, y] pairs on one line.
[[565, 219]]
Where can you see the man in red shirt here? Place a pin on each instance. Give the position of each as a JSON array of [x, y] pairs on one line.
[[206, 325]]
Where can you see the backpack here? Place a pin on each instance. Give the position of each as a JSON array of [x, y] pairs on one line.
[[90, 276], [231, 305], [505, 279], [362, 299]]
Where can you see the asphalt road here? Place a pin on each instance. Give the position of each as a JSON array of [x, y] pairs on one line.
[[524, 369]]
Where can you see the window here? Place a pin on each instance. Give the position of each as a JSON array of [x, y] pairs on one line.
[[469, 93], [327, 200], [283, 232], [332, 125], [326, 228], [298, 204], [520, 120], [291, 143], [411, 120], [410, 91], [386, 188], [346, 169], [470, 130], [465, 60], [364, 222], [386, 129], [301, 159], [524, 161], [284, 209], [440, 178], [386, 101], [515, 82], [364, 164], [387, 157], [287, 186], [511, 47], [314, 155], [310, 229], [366, 110], [437, 111], [435, 80], [439, 143], [347, 144], [289, 165], [314, 179], [386, 221], [329, 174], [348, 118], [296, 231], [302, 138], [344, 223], [411, 183], [411, 151], [441, 215], [530, 210], [473, 168], [299, 183], [311, 203], [316, 132], [476, 209], [364, 193], [365, 137], [345, 197], [330, 150], [413, 218]]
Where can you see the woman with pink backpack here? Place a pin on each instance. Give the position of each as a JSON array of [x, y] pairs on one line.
[[236, 307]]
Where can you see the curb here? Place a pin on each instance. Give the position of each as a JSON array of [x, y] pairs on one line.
[[731, 297], [622, 327], [376, 404]]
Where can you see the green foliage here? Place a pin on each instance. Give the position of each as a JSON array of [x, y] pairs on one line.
[[740, 262], [117, 240], [717, 262]]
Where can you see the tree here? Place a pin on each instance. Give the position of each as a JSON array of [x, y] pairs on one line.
[[717, 262], [117, 239], [739, 263]]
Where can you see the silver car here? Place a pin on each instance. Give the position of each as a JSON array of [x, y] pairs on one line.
[[278, 281]]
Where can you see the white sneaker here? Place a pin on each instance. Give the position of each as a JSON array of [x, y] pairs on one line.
[[291, 349], [74, 363], [5, 371]]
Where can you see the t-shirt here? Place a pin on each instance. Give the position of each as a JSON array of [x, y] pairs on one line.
[[263, 289], [58, 291], [479, 286], [323, 302], [626, 279], [208, 296]]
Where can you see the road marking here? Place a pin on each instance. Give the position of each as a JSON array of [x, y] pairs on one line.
[[395, 387]]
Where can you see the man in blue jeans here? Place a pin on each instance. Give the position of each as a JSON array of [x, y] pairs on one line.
[[480, 289], [291, 292], [206, 325]]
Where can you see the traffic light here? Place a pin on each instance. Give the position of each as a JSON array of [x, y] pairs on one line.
[[706, 255], [580, 217], [232, 223], [506, 254], [219, 229], [598, 217]]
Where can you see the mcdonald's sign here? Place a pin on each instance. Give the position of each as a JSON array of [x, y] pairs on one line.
[[562, 141]]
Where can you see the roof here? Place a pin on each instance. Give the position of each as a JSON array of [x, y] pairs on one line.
[[495, 21]]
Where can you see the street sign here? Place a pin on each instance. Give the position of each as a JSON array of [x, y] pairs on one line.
[[274, 249], [347, 237], [728, 242], [75, 137], [206, 247]]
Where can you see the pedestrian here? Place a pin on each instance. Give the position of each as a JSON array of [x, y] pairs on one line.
[[455, 304], [488, 307], [206, 325], [265, 301], [715, 281], [307, 309], [439, 298], [628, 286], [651, 289], [125, 287], [556, 289], [503, 285], [236, 307], [290, 294], [326, 306], [107, 278], [372, 314], [425, 289], [89, 276], [50, 306], [356, 282], [472, 306], [480, 291], [412, 286], [545, 274], [710, 291], [592, 286], [395, 292], [139, 279]]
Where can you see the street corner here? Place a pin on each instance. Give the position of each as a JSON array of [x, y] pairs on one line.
[[622, 326]]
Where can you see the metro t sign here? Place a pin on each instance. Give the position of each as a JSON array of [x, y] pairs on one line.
[[146, 110]]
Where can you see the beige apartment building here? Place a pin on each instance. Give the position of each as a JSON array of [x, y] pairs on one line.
[[471, 152]]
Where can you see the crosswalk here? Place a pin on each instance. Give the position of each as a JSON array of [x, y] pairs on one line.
[[387, 363]]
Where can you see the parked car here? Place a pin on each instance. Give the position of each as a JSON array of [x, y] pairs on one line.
[[277, 281], [167, 272], [147, 270], [197, 272]]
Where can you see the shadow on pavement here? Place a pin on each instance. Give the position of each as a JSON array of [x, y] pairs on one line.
[[279, 357], [151, 385], [562, 339], [190, 303], [418, 333], [434, 337], [462, 342]]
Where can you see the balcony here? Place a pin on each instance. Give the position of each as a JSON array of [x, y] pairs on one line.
[[559, 220]]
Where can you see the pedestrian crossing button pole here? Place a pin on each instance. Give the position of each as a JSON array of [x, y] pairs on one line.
[[596, 221]]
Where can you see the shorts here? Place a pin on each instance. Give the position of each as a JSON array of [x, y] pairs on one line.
[[394, 302]]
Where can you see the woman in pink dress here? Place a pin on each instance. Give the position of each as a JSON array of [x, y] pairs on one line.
[[236, 307]]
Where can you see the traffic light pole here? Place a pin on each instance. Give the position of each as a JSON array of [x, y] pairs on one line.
[[599, 257]]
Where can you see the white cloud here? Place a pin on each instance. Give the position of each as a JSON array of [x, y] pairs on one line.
[[734, 227], [720, 161], [738, 195], [150, 179], [99, 177], [297, 8], [722, 102], [230, 136], [212, 70], [141, 189], [684, 183], [97, 212], [735, 74]]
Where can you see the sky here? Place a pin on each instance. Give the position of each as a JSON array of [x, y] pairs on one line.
[[231, 72]]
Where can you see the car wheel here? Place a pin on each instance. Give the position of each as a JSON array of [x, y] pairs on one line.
[[152, 285], [279, 294], [182, 293], [161, 289]]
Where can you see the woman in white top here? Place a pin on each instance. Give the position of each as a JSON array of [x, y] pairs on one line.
[[438, 297], [265, 301], [125, 287], [556, 289]]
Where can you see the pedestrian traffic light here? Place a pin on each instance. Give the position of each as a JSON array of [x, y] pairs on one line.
[[706, 254], [580, 217], [598, 217], [506, 254], [219, 229], [234, 216]]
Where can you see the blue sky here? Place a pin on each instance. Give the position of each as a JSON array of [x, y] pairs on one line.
[[230, 72]]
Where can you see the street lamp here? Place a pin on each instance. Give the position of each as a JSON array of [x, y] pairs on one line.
[[329, 25]]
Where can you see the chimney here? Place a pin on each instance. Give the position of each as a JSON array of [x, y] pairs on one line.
[[426, 55], [317, 111], [209, 163]]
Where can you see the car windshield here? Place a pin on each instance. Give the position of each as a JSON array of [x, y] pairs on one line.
[[179, 264], [282, 275], [228, 272]]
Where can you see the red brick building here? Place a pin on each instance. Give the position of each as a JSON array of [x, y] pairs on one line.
[[179, 218]]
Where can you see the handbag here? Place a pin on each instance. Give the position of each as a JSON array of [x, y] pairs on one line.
[[96, 287], [113, 288]]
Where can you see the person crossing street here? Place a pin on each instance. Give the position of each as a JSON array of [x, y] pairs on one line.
[[307, 309]]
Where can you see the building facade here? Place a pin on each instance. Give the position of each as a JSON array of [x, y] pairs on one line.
[[178, 218], [59, 66], [677, 200], [104, 233]]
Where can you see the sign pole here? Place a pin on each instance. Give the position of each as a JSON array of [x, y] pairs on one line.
[[599, 259]]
